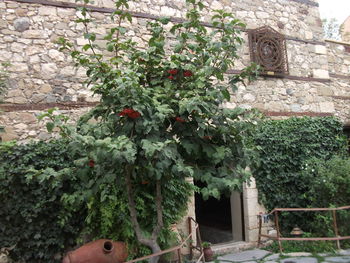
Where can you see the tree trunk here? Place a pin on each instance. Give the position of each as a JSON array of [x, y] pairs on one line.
[[155, 248], [150, 242]]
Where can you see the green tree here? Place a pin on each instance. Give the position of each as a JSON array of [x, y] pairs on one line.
[[160, 115]]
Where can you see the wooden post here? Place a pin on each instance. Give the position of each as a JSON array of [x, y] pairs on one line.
[[179, 255], [199, 240], [278, 231], [336, 228], [260, 226], [191, 239]]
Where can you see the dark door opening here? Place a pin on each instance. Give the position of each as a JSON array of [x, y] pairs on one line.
[[214, 219]]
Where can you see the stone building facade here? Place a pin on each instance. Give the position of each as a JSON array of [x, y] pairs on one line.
[[41, 77]]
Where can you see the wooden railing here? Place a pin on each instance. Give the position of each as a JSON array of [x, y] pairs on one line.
[[279, 237], [189, 239]]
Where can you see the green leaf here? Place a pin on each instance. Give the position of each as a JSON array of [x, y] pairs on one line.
[[226, 94], [50, 126]]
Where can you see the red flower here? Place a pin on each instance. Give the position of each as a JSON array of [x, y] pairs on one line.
[[91, 163], [179, 119], [130, 113], [188, 73], [172, 71], [134, 115], [207, 137], [171, 77], [144, 182]]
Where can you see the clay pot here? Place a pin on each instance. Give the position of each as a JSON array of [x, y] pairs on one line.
[[208, 254], [98, 251]]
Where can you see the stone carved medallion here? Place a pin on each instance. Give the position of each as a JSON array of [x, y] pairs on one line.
[[268, 49]]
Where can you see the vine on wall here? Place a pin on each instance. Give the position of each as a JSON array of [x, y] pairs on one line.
[[286, 147]]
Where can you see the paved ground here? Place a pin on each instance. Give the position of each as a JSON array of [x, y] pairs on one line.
[[263, 256]]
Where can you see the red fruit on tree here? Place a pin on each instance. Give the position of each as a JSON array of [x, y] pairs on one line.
[[172, 71], [179, 119], [91, 163], [188, 73]]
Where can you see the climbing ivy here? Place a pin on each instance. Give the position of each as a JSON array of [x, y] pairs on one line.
[[285, 146], [30, 201]]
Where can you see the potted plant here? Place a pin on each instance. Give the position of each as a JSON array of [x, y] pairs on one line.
[[208, 252]]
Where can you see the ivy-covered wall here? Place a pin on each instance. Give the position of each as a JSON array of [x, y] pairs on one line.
[[286, 148]]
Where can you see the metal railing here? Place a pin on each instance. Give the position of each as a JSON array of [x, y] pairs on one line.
[[279, 237], [177, 248]]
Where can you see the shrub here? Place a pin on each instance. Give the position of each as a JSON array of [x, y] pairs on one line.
[[329, 187], [284, 147], [45, 213], [30, 193]]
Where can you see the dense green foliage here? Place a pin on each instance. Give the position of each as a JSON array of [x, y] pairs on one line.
[[39, 180], [329, 187], [297, 246], [286, 147], [30, 201], [110, 218]]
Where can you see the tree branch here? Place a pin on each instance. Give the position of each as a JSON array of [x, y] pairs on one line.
[[132, 205]]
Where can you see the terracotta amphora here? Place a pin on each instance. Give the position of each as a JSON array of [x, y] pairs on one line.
[[98, 251]]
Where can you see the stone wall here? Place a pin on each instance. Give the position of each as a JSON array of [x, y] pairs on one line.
[[41, 74], [42, 77]]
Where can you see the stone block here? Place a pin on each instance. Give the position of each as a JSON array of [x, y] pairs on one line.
[[250, 193], [295, 107], [300, 260], [251, 222], [344, 259], [255, 254], [32, 50], [21, 126], [309, 35], [5, 137], [56, 55], [48, 70], [320, 49], [17, 47], [299, 254], [34, 34], [45, 88], [327, 107], [249, 97], [18, 67], [82, 41], [252, 207], [64, 12], [320, 73], [325, 91], [262, 15], [34, 59], [27, 117], [21, 24], [5, 55], [37, 98], [47, 11]]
